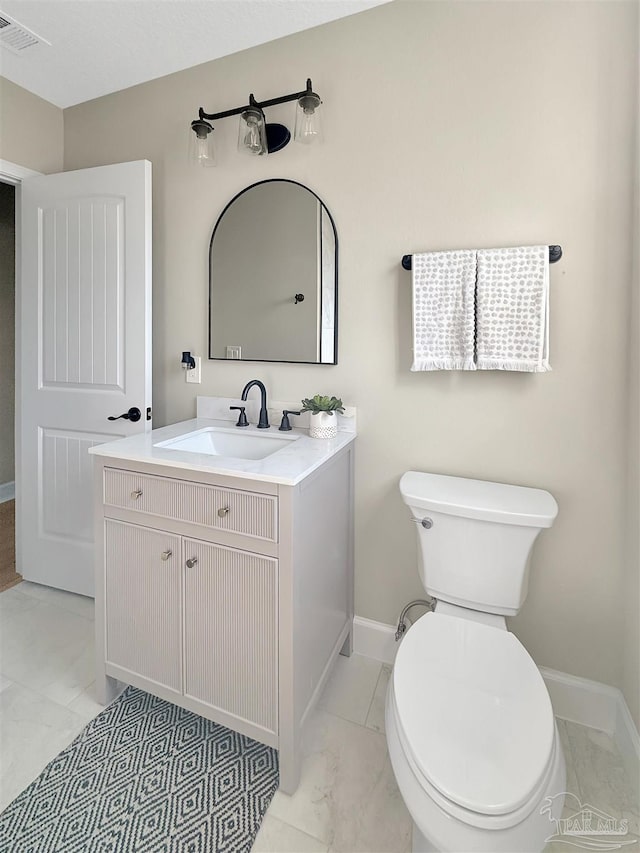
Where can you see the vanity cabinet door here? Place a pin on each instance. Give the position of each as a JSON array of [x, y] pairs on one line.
[[230, 629], [143, 602]]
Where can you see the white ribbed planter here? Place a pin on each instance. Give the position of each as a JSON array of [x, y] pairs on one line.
[[323, 425]]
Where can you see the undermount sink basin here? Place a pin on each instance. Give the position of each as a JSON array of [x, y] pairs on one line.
[[217, 441]]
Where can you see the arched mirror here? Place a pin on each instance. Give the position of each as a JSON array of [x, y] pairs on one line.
[[273, 277]]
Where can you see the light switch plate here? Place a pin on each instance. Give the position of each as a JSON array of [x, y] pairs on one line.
[[193, 375]]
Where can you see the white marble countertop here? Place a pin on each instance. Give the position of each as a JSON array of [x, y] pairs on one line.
[[287, 466]]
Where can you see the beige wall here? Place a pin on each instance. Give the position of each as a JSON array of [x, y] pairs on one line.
[[7, 334], [31, 130], [447, 125]]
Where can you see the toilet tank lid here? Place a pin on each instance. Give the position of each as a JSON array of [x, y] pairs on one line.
[[479, 499]]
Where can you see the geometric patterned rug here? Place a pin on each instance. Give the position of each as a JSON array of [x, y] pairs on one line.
[[146, 776]]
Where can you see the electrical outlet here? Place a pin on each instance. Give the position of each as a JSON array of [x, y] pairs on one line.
[[234, 352], [193, 375]]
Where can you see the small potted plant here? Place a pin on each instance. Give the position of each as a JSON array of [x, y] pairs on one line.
[[323, 422]]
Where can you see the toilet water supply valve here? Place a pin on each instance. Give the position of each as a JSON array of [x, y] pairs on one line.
[[402, 627]]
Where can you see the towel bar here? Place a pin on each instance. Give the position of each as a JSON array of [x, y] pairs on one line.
[[555, 253]]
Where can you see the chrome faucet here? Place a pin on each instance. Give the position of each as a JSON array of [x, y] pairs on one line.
[[263, 423]]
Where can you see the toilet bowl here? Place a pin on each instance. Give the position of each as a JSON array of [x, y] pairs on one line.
[[470, 728]]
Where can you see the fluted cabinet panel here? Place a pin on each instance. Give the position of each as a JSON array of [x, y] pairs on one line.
[[248, 513], [143, 602], [230, 631]]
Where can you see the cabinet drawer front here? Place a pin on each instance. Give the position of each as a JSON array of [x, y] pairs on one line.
[[230, 631], [232, 510]]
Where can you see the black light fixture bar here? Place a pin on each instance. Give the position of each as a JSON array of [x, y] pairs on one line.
[[283, 99]]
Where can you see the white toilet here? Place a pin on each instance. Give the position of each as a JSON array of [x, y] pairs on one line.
[[470, 729]]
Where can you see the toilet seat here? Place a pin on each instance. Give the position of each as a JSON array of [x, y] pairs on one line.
[[474, 719]]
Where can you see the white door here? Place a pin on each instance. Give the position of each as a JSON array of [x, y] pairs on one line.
[[84, 354]]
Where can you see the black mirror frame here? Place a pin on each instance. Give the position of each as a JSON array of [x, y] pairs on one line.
[[335, 236]]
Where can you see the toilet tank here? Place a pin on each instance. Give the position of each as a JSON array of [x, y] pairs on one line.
[[476, 538]]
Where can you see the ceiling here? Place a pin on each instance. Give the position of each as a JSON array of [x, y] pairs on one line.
[[101, 46]]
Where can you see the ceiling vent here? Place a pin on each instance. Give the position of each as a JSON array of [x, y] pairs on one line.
[[18, 38]]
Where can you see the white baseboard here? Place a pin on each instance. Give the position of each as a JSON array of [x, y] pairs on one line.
[[7, 491], [628, 742], [374, 639], [580, 700]]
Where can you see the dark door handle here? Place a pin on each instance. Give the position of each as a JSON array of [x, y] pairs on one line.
[[133, 414]]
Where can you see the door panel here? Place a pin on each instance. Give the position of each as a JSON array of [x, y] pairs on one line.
[[84, 353], [82, 293], [63, 511]]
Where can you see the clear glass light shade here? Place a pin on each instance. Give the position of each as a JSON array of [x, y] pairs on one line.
[[308, 129], [252, 134], [201, 147]]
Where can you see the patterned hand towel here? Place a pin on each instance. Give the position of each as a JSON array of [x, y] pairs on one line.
[[443, 309], [512, 309]]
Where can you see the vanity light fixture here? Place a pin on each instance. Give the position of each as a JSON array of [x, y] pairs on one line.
[[308, 128], [255, 135], [252, 131], [201, 150]]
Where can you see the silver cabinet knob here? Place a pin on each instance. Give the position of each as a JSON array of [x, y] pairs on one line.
[[135, 494], [191, 563], [166, 554], [224, 510]]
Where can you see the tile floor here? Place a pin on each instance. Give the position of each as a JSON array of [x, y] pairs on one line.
[[347, 799]]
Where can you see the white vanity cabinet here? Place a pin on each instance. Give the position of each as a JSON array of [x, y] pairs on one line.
[[174, 607], [228, 596]]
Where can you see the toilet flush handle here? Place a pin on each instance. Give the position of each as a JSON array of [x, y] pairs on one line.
[[427, 523]]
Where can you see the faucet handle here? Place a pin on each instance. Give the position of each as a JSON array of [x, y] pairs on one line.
[[242, 418], [285, 426]]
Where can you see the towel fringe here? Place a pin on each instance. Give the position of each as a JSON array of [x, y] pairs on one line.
[[523, 366], [443, 364]]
